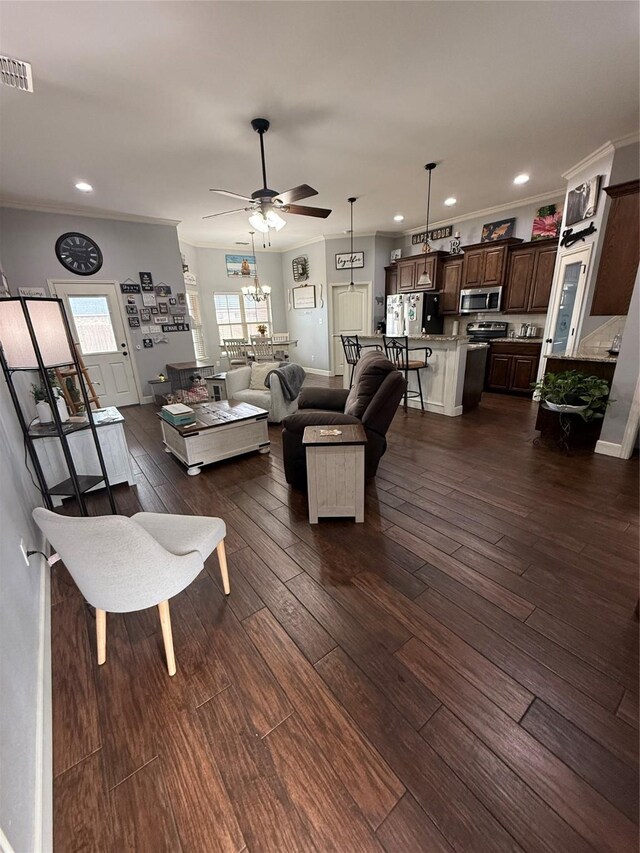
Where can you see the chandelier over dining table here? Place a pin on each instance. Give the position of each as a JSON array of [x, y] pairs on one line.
[[256, 292]]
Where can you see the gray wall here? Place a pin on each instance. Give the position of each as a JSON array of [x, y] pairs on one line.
[[24, 622], [309, 326], [27, 243]]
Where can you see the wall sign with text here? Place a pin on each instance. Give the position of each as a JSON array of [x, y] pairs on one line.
[[432, 234], [304, 296], [345, 260], [176, 327]]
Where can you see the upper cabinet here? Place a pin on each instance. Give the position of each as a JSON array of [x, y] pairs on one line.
[[451, 281], [620, 252], [529, 277], [485, 264], [410, 269], [391, 280]]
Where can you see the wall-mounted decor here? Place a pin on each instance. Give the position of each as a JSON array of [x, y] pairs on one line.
[[182, 299], [498, 230], [129, 287], [132, 309], [454, 245], [240, 266], [178, 309], [147, 343], [304, 296], [148, 299], [344, 260], [145, 315], [173, 300], [300, 267], [396, 254], [162, 290], [146, 280], [32, 292], [131, 300], [78, 253], [547, 222], [176, 327], [434, 234], [153, 308], [163, 308], [134, 322], [582, 202], [570, 237], [159, 318]]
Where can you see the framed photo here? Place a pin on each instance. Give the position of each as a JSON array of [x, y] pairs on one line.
[[498, 230], [582, 202], [129, 287], [153, 308], [182, 299], [149, 299], [396, 254], [146, 280], [163, 290], [163, 308], [147, 343], [343, 260], [179, 309], [547, 222], [173, 300], [132, 309], [304, 297], [240, 265], [145, 315], [134, 322]]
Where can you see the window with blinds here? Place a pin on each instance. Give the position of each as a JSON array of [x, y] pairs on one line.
[[239, 317], [197, 334]]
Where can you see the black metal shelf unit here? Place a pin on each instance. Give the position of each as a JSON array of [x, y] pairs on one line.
[[75, 485]]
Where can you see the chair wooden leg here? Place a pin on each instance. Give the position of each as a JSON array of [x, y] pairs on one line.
[[167, 636], [222, 558], [101, 635]]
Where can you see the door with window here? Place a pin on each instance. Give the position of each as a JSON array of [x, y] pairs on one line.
[[568, 303], [97, 325]]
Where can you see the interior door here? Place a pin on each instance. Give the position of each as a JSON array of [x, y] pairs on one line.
[[97, 325], [568, 303], [352, 315]]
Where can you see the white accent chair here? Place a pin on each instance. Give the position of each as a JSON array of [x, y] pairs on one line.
[[262, 348], [235, 350], [272, 399], [123, 564]]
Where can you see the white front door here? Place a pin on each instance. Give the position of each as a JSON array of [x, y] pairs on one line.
[[97, 325], [352, 315]]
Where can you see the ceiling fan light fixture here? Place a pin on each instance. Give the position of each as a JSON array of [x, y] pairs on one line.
[[275, 221], [258, 221]]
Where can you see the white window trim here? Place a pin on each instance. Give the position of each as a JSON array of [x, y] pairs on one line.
[[192, 290], [243, 316]]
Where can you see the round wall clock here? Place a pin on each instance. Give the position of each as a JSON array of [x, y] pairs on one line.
[[78, 253]]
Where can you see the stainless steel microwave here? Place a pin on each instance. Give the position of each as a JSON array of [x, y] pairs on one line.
[[479, 299]]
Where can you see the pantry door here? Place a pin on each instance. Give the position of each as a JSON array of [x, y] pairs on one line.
[[95, 316], [352, 314]]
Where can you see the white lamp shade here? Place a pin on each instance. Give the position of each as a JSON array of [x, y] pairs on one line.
[[258, 221], [424, 280], [48, 327]]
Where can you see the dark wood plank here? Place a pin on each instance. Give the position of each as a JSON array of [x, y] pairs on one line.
[[361, 770], [273, 555], [143, 816], [245, 600], [628, 708], [603, 771], [408, 829], [82, 809], [265, 519]]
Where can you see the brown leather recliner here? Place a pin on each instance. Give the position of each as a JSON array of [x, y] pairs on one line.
[[372, 401]]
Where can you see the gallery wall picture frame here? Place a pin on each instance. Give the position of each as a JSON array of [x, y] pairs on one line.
[[173, 300], [149, 299], [131, 300], [344, 260], [134, 322], [129, 287], [154, 308], [163, 308], [176, 327], [146, 280], [145, 315], [582, 201], [178, 309], [240, 266], [132, 309], [182, 298], [498, 230], [159, 318], [304, 296], [147, 343], [163, 290]]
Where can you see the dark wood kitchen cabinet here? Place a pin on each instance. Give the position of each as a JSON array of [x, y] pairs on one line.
[[529, 278], [450, 283], [513, 367], [390, 280], [410, 269], [485, 264], [620, 252]]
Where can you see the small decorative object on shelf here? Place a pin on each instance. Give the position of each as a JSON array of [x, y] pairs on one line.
[[396, 254], [262, 329], [454, 245], [614, 352]]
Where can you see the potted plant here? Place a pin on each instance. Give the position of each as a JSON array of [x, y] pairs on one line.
[[262, 329], [43, 409], [573, 392]]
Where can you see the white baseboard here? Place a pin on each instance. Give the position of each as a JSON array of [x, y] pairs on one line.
[[436, 408], [608, 448], [148, 399], [318, 372]]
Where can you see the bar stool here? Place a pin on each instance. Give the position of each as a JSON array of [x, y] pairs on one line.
[[352, 349], [397, 351]]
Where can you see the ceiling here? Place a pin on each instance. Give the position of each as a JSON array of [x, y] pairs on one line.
[[150, 102]]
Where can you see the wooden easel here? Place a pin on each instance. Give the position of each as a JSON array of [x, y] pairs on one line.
[[62, 375]]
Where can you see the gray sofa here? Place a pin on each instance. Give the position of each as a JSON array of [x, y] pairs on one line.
[[272, 399]]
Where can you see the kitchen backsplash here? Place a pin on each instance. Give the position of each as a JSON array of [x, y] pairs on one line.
[[514, 321]]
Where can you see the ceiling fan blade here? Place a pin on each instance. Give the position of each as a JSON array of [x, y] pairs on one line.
[[224, 213], [232, 195], [296, 194], [303, 210]]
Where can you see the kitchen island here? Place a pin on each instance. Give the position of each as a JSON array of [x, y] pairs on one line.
[[443, 380]]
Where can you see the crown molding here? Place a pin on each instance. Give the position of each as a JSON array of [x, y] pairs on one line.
[[97, 213], [627, 139], [489, 211], [589, 160]]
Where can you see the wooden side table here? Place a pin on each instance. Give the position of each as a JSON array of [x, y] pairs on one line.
[[335, 471]]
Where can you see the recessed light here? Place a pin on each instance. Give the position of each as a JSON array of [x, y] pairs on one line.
[[398, 218], [521, 179], [450, 201], [84, 187]]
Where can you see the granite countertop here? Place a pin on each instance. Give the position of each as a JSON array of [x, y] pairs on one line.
[[516, 340], [604, 358], [418, 337], [477, 346]]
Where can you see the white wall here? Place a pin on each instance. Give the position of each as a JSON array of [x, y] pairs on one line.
[[309, 326], [25, 675], [27, 247]]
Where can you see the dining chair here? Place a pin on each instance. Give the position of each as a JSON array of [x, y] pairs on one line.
[[398, 352], [124, 564], [262, 348], [277, 338], [352, 351], [236, 351]]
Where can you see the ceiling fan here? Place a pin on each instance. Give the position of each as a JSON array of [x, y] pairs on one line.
[[265, 205]]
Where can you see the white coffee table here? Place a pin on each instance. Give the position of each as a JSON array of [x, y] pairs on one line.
[[222, 430]]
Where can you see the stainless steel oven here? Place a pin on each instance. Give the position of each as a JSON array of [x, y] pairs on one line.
[[480, 299]]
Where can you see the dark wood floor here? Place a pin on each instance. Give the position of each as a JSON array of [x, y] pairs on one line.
[[459, 673]]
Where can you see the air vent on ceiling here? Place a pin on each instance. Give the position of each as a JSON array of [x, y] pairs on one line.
[[16, 73], [239, 243]]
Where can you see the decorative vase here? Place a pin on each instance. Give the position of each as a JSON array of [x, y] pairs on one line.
[[62, 408], [565, 407], [43, 410]]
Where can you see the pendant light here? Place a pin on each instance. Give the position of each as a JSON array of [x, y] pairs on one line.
[[425, 278], [256, 293], [351, 201]]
